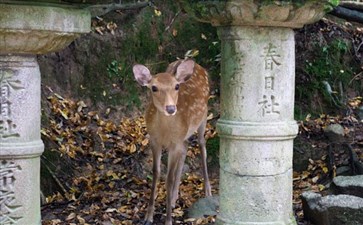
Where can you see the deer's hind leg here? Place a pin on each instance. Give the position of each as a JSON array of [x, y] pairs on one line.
[[203, 150]]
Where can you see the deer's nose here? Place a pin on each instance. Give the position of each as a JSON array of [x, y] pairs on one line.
[[170, 109]]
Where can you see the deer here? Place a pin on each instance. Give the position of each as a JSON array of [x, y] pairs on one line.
[[177, 108]]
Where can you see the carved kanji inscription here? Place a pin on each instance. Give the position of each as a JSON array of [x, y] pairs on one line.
[[271, 57], [7, 195], [8, 84], [268, 105]]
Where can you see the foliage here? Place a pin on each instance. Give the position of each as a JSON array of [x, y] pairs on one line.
[[155, 37], [205, 40], [329, 3], [213, 151], [329, 70], [329, 65], [189, 5]]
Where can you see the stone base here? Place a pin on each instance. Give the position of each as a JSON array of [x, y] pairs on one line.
[[348, 185], [20, 188], [251, 193], [332, 209]]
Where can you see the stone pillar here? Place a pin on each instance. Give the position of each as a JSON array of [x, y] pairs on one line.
[[20, 144], [257, 124], [24, 32]]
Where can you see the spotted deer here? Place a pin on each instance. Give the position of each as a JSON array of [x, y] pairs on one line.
[[178, 108]]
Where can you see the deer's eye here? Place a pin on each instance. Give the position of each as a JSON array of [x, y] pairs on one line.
[[177, 87], [154, 88]]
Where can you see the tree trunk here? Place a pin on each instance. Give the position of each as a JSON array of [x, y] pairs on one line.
[[348, 14], [352, 5]]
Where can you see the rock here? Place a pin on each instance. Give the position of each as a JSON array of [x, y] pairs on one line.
[[343, 171], [204, 207], [332, 209], [360, 112], [303, 151], [350, 185], [335, 133]]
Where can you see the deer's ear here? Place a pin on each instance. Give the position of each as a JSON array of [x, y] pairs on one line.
[[142, 74], [185, 70]]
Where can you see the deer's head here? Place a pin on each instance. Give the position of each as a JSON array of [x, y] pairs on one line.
[[164, 86]]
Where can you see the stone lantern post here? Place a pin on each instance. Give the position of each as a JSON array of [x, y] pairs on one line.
[[27, 30], [257, 125]]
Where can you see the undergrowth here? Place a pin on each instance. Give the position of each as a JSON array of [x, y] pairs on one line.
[[329, 73]]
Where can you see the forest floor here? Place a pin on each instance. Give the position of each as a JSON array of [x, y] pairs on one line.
[[111, 166]]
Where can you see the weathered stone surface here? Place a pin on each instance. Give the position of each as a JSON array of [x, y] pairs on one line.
[[335, 133], [257, 199], [40, 29], [258, 13], [360, 112], [20, 114], [204, 207], [257, 63], [20, 143], [256, 125], [333, 209], [343, 171], [350, 185], [253, 158]]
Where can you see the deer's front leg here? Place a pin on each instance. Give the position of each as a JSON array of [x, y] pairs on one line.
[[178, 172], [156, 150], [175, 166]]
